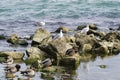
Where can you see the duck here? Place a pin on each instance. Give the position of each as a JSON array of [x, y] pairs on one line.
[[28, 72], [13, 69], [85, 30], [58, 36], [46, 63], [8, 60], [71, 51]]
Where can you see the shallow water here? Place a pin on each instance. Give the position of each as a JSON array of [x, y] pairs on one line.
[[20, 16]]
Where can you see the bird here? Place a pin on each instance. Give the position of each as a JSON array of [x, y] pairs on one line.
[[41, 24], [28, 72], [71, 51], [58, 36], [13, 69], [8, 60], [46, 63], [85, 30]]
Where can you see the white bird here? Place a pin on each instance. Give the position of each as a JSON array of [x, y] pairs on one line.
[[85, 30], [58, 36], [41, 24]]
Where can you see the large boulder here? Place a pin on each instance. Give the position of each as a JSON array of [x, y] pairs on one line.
[[34, 54], [39, 36], [82, 39], [96, 33], [112, 37], [56, 48], [14, 55], [71, 62]]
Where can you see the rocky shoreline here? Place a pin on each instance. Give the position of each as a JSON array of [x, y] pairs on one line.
[[67, 51]]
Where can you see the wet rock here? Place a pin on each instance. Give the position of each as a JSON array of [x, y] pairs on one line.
[[23, 42], [86, 48], [49, 69], [2, 37], [13, 39], [56, 48], [80, 27], [93, 26], [39, 36], [116, 48], [14, 55], [71, 62], [118, 27], [70, 39], [102, 50], [101, 34], [64, 29], [112, 37], [82, 39], [34, 52], [47, 76]]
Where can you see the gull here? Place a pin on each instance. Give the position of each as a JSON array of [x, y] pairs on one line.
[[58, 36], [41, 24], [85, 30]]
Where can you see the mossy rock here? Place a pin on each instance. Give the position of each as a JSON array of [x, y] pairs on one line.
[[93, 26], [49, 69], [47, 76], [39, 36], [13, 39], [102, 66], [23, 42], [15, 55], [30, 60], [2, 37], [71, 62], [80, 27]]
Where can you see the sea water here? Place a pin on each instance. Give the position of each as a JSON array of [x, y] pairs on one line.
[[20, 17]]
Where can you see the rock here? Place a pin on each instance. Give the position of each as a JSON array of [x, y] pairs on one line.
[[80, 27], [101, 34], [36, 64], [93, 26], [23, 42], [2, 37], [56, 48], [34, 52], [49, 69], [102, 50], [39, 36], [112, 37], [64, 29], [86, 48], [70, 39], [13, 39], [14, 55], [47, 76], [118, 27], [71, 62], [116, 48], [82, 39]]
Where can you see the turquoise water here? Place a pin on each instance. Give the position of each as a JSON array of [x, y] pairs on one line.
[[20, 16]]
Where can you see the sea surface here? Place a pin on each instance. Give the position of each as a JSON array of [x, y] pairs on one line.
[[20, 17]]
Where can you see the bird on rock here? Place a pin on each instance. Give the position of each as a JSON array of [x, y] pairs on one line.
[[85, 30], [58, 36]]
